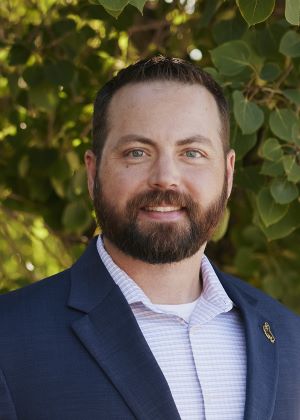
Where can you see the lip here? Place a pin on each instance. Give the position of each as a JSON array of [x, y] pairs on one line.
[[162, 215], [162, 209]]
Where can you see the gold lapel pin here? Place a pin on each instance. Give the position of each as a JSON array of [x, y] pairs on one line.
[[268, 333]]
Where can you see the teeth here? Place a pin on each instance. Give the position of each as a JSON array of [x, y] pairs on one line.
[[162, 209]]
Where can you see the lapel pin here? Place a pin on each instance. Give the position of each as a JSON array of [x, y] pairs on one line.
[[268, 333]]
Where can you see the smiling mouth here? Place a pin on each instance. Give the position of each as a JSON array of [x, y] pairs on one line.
[[162, 209]]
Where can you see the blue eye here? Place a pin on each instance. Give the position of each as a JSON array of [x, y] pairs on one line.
[[136, 153], [193, 154]]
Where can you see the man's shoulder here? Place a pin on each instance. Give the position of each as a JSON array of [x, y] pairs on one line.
[[265, 301], [35, 295]]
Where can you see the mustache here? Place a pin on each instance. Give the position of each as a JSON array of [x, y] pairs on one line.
[[158, 198]]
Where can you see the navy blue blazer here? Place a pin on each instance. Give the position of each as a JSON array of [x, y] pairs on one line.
[[71, 349]]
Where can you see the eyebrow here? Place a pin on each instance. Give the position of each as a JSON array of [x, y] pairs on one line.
[[131, 138]]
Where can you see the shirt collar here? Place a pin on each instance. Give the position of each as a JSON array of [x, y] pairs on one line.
[[132, 292], [213, 293]]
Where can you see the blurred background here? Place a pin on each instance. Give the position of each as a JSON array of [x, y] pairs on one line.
[[56, 54]]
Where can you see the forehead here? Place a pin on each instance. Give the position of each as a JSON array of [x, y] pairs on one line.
[[164, 109]]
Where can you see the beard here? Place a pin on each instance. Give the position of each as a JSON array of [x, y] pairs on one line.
[[158, 242]]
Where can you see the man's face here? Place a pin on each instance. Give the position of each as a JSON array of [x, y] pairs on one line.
[[163, 180]]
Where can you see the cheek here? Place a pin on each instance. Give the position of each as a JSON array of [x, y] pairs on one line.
[[120, 184], [205, 184]]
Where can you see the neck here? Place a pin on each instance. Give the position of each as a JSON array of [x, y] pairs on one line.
[[171, 284]]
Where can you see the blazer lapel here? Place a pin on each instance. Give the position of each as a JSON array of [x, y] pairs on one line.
[[110, 333], [262, 362]]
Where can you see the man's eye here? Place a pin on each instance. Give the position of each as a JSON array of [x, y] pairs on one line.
[[193, 153], [137, 153]]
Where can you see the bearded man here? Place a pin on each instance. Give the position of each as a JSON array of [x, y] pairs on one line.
[[143, 326]]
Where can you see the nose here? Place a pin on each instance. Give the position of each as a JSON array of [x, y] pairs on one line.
[[164, 174]]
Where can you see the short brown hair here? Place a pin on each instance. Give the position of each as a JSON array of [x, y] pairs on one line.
[[158, 68]]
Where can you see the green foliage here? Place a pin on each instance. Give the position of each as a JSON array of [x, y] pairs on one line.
[[283, 191], [292, 11], [255, 11], [248, 116], [269, 210], [292, 168], [56, 54], [282, 122], [290, 44], [231, 58], [115, 7], [222, 227], [242, 144], [271, 150]]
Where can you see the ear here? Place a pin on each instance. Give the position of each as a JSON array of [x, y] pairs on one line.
[[90, 165], [230, 161]]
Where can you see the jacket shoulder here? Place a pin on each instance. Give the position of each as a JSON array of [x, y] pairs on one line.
[[264, 300], [36, 297]]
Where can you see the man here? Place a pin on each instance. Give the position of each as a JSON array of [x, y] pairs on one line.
[[142, 326]]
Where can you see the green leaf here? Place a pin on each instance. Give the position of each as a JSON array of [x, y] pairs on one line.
[[76, 216], [115, 7], [269, 211], [45, 5], [293, 95], [290, 44], [296, 133], [229, 30], [139, 4], [112, 11], [292, 168], [215, 74], [59, 187], [255, 11], [271, 149], [222, 227], [283, 191], [282, 122], [292, 11], [273, 169], [231, 58], [266, 40], [73, 160], [288, 224], [242, 144], [270, 72], [247, 114]]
